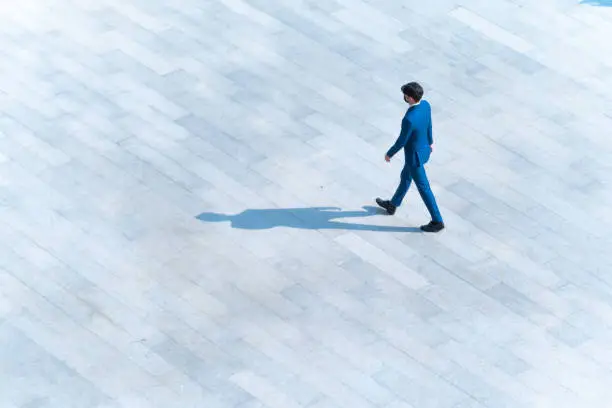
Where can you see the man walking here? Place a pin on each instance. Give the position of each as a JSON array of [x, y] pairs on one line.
[[417, 141]]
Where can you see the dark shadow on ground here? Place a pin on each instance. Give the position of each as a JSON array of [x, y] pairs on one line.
[[315, 218]]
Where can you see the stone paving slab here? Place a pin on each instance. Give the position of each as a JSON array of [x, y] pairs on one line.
[[186, 205]]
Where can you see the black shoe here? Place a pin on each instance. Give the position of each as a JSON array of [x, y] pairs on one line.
[[433, 226], [386, 204]]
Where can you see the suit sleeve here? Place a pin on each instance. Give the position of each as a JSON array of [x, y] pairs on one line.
[[402, 139], [430, 134]]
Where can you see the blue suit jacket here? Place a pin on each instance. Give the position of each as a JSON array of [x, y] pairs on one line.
[[415, 136]]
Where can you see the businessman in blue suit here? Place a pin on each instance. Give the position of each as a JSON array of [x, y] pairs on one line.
[[417, 141]]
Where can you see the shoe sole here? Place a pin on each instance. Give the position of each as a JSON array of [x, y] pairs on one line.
[[432, 231]]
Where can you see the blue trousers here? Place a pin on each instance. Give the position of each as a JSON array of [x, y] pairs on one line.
[[417, 173]]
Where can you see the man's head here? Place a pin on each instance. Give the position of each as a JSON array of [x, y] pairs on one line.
[[413, 92]]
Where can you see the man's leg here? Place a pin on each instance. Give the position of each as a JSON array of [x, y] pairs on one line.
[[420, 179], [402, 188], [400, 192]]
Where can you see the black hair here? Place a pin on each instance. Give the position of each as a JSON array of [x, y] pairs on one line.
[[413, 90]]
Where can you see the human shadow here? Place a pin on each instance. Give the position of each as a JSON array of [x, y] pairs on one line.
[[314, 218], [600, 3]]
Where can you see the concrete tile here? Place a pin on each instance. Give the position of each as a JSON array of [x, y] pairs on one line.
[[53, 382], [126, 130]]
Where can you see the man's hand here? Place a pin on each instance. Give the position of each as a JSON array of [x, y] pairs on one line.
[[387, 159], [431, 147]]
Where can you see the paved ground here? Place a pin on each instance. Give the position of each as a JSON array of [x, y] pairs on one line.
[[182, 192]]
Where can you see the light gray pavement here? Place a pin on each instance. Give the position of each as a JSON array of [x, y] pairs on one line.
[[163, 169]]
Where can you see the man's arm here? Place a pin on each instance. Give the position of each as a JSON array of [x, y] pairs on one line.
[[430, 134], [402, 139]]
